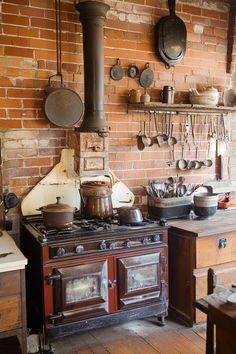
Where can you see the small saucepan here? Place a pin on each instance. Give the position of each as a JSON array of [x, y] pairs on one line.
[[57, 215], [130, 215]]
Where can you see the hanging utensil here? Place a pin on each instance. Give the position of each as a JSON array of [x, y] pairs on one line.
[[171, 139], [150, 140], [208, 162], [63, 107], [116, 71], [198, 164], [146, 76], [133, 71], [182, 163], [140, 143], [171, 37]]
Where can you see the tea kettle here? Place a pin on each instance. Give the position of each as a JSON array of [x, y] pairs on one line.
[[209, 95], [96, 200]]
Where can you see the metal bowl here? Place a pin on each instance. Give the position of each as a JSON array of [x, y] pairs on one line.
[[130, 215]]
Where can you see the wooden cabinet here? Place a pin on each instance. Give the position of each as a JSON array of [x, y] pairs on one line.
[[12, 306], [12, 292], [192, 250]]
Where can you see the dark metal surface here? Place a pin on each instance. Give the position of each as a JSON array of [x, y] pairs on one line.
[[146, 76], [92, 16], [116, 71], [171, 37], [63, 107]]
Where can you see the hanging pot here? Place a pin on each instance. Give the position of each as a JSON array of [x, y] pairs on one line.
[[171, 37], [63, 107], [146, 77], [57, 215]]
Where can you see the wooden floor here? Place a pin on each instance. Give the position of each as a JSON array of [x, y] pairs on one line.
[[136, 337]]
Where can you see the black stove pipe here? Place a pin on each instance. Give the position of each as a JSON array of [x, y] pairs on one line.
[[92, 17]]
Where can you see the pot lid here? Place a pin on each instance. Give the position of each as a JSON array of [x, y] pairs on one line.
[[57, 207]]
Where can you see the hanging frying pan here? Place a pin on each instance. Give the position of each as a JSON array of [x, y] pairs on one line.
[[116, 71], [63, 107], [171, 37], [146, 76]]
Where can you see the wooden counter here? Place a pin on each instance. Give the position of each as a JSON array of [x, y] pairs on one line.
[[12, 291], [194, 246]]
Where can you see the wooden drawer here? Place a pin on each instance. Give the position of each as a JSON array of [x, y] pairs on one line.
[[10, 283], [10, 313], [210, 250]]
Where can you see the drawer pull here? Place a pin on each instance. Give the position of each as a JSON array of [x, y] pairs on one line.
[[222, 242]]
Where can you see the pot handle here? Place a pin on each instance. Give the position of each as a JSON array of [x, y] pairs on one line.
[[53, 76], [171, 4]]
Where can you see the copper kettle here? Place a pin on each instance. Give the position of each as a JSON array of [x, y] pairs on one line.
[[96, 200]]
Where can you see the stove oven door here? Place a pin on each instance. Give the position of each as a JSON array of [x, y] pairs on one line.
[[142, 279], [79, 291]]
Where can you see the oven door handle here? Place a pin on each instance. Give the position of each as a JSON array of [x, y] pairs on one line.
[[50, 278], [53, 318]]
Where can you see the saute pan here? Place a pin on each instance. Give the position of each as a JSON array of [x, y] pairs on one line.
[[171, 37]]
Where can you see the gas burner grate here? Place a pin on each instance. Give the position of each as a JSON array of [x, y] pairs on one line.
[[46, 234]]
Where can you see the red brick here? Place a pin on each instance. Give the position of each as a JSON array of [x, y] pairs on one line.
[[15, 20], [19, 52]]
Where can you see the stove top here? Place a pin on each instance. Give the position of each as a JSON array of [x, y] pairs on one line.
[[81, 227]]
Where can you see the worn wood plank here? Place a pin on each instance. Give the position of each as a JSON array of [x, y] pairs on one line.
[[136, 337]]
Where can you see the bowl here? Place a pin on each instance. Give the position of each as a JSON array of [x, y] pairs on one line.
[[205, 204]]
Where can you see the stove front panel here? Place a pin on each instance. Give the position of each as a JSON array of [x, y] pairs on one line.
[[79, 291]]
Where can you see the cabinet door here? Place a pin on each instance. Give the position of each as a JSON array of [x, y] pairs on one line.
[[141, 279], [80, 291]]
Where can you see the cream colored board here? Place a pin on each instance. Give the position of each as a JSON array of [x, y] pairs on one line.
[[62, 181]]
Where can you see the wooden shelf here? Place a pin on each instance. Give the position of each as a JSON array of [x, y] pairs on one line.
[[178, 108]]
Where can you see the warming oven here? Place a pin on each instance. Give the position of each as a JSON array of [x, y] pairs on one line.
[[93, 274]]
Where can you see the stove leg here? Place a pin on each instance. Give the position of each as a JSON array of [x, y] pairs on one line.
[[161, 321], [50, 350]]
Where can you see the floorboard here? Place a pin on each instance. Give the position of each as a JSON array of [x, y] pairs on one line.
[[136, 337]]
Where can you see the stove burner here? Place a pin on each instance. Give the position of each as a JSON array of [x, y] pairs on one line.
[[82, 226], [48, 233], [94, 224]]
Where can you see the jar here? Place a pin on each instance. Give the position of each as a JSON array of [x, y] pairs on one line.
[[168, 94], [134, 96]]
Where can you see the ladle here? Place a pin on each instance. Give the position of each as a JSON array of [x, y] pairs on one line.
[[182, 163], [198, 164], [207, 162], [140, 135], [171, 139]]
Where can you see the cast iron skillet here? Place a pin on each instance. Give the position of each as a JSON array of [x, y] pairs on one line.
[[171, 37]]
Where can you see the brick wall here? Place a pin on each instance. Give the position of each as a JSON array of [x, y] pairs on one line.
[[31, 147]]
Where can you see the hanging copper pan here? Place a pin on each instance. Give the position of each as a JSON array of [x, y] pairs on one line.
[[63, 107]]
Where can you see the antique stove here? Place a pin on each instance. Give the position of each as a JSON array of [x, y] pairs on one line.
[[93, 274]]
